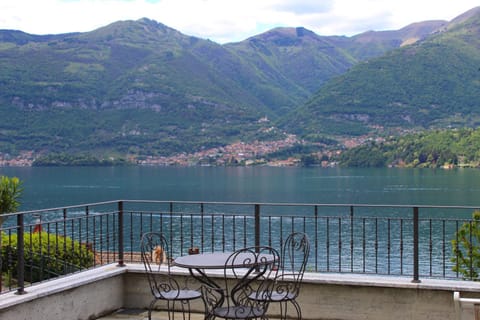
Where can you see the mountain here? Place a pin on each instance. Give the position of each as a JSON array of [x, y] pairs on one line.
[[296, 58], [372, 44], [133, 86], [430, 84], [131, 64], [303, 61], [142, 88]]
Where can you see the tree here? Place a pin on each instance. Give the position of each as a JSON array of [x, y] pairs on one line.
[[466, 249], [10, 191], [308, 160]]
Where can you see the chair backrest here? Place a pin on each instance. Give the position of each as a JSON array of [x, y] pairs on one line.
[[156, 259], [250, 272], [294, 258]]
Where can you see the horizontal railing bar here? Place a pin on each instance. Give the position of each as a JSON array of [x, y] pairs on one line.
[[293, 204], [277, 204]]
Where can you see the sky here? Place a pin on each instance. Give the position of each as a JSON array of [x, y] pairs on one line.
[[225, 21]]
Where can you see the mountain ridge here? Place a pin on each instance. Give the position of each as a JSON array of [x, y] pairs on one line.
[[432, 83], [143, 88]]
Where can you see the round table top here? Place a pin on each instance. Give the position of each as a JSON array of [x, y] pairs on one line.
[[218, 260]]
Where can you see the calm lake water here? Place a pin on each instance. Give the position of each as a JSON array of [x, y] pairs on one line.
[[46, 187], [56, 187]]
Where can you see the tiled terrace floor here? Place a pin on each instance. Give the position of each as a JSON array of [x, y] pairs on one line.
[[141, 314]]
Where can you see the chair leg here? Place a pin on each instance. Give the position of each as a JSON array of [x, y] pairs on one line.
[[186, 311], [150, 308], [297, 307], [187, 304], [283, 310], [171, 310], [183, 309]]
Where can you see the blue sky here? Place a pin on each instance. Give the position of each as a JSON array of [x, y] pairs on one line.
[[228, 20]]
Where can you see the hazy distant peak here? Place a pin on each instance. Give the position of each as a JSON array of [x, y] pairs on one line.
[[465, 16], [423, 27], [286, 32], [145, 22], [406, 35], [134, 31]]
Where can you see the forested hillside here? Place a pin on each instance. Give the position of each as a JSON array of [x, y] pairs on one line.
[[139, 88], [432, 149], [433, 83], [142, 88]]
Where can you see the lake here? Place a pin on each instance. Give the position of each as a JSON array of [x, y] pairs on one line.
[[46, 187]]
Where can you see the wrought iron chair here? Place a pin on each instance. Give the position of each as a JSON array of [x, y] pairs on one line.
[[294, 257], [155, 253], [247, 272]]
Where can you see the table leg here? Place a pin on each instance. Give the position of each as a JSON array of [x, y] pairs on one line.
[[202, 277]]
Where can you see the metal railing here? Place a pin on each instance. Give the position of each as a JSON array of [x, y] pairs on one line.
[[410, 241]]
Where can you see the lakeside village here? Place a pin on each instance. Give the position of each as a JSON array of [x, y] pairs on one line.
[[236, 154]]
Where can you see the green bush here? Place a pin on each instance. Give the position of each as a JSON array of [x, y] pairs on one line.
[[46, 255], [10, 192], [466, 249]]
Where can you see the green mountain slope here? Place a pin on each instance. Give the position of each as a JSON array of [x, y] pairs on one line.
[[142, 88], [128, 87], [432, 83], [298, 59], [296, 62], [434, 149], [131, 64]]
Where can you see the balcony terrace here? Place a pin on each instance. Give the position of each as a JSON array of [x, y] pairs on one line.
[[366, 262]]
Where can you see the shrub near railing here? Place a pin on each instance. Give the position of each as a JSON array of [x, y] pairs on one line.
[[466, 248], [46, 255]]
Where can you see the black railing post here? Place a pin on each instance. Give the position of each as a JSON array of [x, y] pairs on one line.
[[351, 239], [316, 237], [257, 225], [87, 212], [20, 255], [170, 213], [120, 235], [202, 217], [415, 246]]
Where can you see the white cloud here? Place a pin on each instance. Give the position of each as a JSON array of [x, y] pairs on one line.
[[303, 6], [227, 20]]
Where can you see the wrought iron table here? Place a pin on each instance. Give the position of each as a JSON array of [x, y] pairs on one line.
[[246, 271], [197, 264]]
